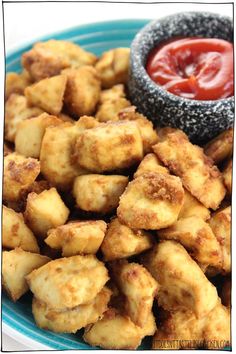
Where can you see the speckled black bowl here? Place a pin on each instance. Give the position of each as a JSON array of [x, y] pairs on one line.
[[201, 120]]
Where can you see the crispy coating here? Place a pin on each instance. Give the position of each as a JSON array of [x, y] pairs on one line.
[[47, 94], [109, 109], [15, 233], [220, 223], [113, 67], [77, 237], [16, 83], [47, 59], [225, 293], [150, 163], [16, 264], [17, 110], [71, 320], [192, 207], [45, 211], [99, 193], [151, 201], [114, 93], [199, 176], [182, 330], [183, 285], [82, 90], [227, 176], [121, 139], [19, 173], [197, 237], [68, 282], [30, 132], [121, 242], [221, 147]]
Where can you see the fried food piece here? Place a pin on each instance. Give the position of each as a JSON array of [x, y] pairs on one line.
[[148, 133], [47, 94], [19, 173], [227, 176], [121, 242], [220, 223], [182, 330], [192, 207], [121, 139], [199, 176], [47, 59], [151, 201], [82, 90], [99, 193], [114, 93], [197, 237], [139, 288], [15, 232], [16, 83], [16, 264], [71, 320], [109, 109], [221, 147], [150, 163], [226, 293], [113, 67], [68, 282], [45, 211], [77, 237], [30, 132], [17, 110], [183, 285]]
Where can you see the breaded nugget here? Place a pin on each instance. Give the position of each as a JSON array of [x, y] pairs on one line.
[[77, 237], [220, 223], [47, 59], [17, 110], [45, 211], [19, 173], [121, 139], [150, 163], [99, 193], [221, 147], [139, 288], [151, 201], [71, 320], [16, 83], [183, 285], [227, 176], [82, 90], [225, 293], [121, 242], [15, 232], [113, 67], [192, 207], [16, 264], [68, 282], [197, 237], [114, 93], [109, 109], [199, 176]]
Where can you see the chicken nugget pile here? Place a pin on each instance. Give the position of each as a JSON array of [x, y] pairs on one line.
[[115, 227]]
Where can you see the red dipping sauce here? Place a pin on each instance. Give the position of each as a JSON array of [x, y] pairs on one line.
[[194, 68]]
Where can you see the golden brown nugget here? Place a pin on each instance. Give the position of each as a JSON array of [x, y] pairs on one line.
[[16, 264], [151, 201], [99, 193], [121, 139], [220, 223], [221, 147], [197, 237], [77, 237], [68, 282], [45, 211], [150, 163], [199, 176], [114, 93], [113, 67], [16, 83], [182, 330], [17, 110], [47, 59], [82, 90], [47, 94], [122, 242], [227, 176], [71, 320], [192, 207], [225, 293], [19, 173], [15, 233], [183, 285], [109, 109]]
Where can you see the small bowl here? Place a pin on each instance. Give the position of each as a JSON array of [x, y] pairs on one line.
[[201, 120]]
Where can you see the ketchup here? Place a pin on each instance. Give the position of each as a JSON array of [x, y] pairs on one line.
[[195, 68]]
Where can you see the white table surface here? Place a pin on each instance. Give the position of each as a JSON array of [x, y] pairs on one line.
[[26, 21]]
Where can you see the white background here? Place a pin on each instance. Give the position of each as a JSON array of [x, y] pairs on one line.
[[26, 21]]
